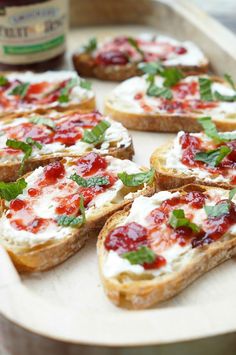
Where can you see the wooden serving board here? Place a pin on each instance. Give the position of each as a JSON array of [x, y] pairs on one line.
[[68, 303]]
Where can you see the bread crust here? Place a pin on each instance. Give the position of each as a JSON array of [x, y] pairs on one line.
[[133, 293], [156, 122], [85, 66], [45, 256], [167, 179]]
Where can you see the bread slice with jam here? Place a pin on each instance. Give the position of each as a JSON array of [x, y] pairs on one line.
[[49, 214], [59, 90], [153, 249], [207, 158], [168, 102], [118, 58], [31, 140]]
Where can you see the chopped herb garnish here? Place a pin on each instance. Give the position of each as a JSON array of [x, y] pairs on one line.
[[229, 79], [141, 256], [10, 190], [156, 91], [219, 97], [3, 80], [152, 68], [217, 210], [85, 84], [20, 90], [40, 120], [91, 46], [90, 182], [213, 157], [133, 42], [26, 147], [65, 92], [72, 221], [205, 89], [96, 135], [232, 193], [211, 131], [178, 219], [172, 76], [137, 179]]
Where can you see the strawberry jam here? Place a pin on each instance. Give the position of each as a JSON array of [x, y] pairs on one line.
[[68, 129], [191, 145], [91, 164], [113, 57], [53, 172], [130, 238], [17, 204], [126, 238]]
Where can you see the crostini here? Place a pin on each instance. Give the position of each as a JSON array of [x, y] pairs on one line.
[[28, 91], [152, 250], [48, 214], [168, 102], [207, 158], [118, 58], [30, 140]]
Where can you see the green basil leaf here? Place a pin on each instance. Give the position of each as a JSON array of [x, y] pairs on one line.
[[137, 179], [205, 89], [40, 120], [72, 221], [178, 219], [65, 92], [226, 98], [152, 68], [3, 80], [213, 157], [85, 84], [32, 142], [10, 190], [172, 76], [96, 135], [217, 210], [20, 90], [90, 182], [25, 147], [156, 91], [91, 46], [229, 79], [232, 193], [133, 42], [141, 256], [210, 128]]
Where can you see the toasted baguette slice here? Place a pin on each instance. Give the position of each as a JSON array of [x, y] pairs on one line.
[[60, 134], [38, 92], [118, 58], [29, 225], [129, 104], [171, 172], [178, 265]]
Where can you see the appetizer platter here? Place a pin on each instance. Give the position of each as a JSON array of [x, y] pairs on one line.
[[118, 185]]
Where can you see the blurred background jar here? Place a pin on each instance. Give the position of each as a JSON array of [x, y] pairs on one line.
[[32, 34]]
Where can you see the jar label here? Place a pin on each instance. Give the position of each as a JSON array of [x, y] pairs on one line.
[[33, 33]]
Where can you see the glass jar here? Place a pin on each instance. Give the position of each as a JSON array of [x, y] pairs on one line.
[[32, 34]]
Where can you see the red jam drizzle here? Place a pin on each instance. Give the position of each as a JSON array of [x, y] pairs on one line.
[[91, 164], [119, 51], [129, 238], [21, 212], [132, 236], [191, 145], [68, 130], [37, 93]]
